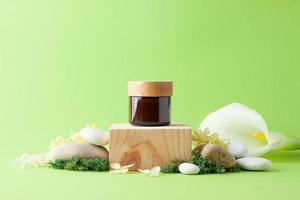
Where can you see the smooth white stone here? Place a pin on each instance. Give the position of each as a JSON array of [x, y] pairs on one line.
[[81, 150], [94, 136], [188, 168], [254, 163], [237, 149]]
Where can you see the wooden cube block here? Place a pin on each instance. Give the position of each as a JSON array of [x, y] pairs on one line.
[[146, 147]]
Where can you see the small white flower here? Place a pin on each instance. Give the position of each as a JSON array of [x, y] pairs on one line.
[[152, 172], [118, 169], [115, 166]]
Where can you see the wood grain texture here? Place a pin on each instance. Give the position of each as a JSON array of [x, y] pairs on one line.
[[146, 147], [150, 88]]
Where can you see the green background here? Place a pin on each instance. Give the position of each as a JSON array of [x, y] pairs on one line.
[[65, 63]]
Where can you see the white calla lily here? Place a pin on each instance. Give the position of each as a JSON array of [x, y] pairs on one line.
[[237, 122]]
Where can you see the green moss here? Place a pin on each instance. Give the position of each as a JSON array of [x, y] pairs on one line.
[[81, 164], [172, 167], [235, 168], [205, 166]]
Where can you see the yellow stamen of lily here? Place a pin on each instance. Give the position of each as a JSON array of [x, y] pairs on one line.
[[259, 135]]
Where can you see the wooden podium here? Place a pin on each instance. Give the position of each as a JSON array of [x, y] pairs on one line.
[[146, 147]]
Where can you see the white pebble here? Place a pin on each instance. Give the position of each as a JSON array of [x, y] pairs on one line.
[[94, 136], [254, 163], [188, 168], [237, 149]]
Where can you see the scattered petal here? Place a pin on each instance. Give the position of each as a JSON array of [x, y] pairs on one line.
[[144, 171], [154, 171], [115, 166], [34, 160], [118, 171], [127, 166], [124, 171]]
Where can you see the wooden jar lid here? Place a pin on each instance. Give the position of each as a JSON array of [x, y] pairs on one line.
[[150, 88]]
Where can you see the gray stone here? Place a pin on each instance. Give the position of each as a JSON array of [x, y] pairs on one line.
[[217, 154], [81, 150]]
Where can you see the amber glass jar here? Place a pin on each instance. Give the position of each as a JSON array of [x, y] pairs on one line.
[[150, 102]]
